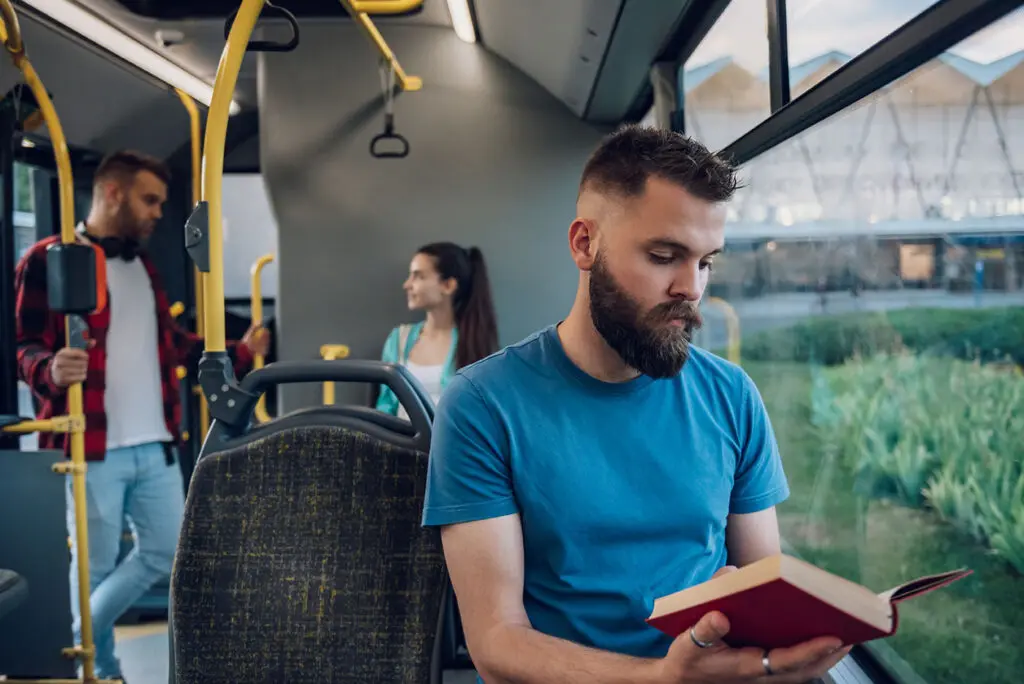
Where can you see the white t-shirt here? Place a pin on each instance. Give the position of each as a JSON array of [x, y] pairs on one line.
[[430, 377], [133, 394]]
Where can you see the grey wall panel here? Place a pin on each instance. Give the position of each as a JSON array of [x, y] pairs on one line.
[[494, 162]]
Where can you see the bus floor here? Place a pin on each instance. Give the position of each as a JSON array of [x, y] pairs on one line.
[[142, 649]]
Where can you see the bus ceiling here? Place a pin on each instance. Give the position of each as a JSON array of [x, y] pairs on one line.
[[594, 56], [179, 10]]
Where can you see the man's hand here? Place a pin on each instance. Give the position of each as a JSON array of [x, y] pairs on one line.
[[257, 339], [69, 365], [687, 663]]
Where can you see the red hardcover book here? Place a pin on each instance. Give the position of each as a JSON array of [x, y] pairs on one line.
[[781, 601]]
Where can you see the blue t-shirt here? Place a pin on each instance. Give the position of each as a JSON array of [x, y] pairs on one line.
[[623, 489]]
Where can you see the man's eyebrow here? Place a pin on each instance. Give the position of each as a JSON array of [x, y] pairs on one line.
[[676, 246]]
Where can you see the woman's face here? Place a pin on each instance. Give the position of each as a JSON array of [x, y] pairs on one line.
[[424, 288]]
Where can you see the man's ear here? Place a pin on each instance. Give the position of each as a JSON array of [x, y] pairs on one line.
[[112, 192], [583, 242]]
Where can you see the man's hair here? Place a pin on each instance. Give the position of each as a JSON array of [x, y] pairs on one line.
[[624, 161], [122, 166]]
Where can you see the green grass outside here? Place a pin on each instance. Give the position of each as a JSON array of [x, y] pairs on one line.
[[990, 334], [972, 631]]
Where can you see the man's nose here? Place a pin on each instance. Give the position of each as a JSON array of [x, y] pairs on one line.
[[688, 282]]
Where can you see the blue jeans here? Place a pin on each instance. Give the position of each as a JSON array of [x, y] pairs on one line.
[[136, 482]]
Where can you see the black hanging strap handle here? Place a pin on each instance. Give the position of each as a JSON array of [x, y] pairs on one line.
[[389, 134], [387, 82], [269, 45]]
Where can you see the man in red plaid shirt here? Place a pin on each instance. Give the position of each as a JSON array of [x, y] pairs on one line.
[[130, 391]]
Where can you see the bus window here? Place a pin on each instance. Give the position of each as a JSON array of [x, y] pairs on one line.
[[880, 299], [725, 79]]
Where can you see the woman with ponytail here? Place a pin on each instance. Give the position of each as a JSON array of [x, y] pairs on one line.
[[450, 284]]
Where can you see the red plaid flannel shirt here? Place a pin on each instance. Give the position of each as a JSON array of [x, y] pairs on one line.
[[40, 335]]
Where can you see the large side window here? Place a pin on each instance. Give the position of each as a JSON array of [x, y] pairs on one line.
[[725, 80], [824, 34], [875, 265]]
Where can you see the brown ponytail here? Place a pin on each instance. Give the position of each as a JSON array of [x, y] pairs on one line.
[[478, 329]]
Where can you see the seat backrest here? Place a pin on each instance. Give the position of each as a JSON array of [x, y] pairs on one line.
[[302, 558]]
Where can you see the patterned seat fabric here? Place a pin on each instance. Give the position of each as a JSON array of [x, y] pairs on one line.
[[302, 559]]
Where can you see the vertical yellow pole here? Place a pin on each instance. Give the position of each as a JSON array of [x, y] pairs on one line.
[[330, 352], [197, 162], [256, 306], [732, 322]]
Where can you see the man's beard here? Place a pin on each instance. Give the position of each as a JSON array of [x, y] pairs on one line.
[[647, 342], [129, 227]]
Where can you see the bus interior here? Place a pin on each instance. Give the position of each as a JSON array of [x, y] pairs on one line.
[[872, 284]]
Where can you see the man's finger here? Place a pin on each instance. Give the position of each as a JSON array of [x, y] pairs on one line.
[[803, 655], [813, 672], [709, 630]]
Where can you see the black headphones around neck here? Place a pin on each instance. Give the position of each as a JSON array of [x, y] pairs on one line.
[[117, 247]]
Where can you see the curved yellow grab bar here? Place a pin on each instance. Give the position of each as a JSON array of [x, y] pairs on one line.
[[213, 167], [11, 33], [732, 322], [330, 352], [256, 305]]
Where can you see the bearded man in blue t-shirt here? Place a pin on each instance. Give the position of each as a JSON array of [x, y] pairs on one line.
[[603, 461]]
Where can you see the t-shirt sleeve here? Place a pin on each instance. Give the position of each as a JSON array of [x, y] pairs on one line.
[[760, 479], [469, 476]]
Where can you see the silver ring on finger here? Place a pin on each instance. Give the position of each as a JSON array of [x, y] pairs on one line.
[[767, 664], [698, 642]]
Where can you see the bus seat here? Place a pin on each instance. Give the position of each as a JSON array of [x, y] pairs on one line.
[[301, 555]]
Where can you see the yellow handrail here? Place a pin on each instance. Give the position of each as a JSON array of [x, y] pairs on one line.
[[196, 132], [732, 322], [386, 6], [213, 166], [11, 34], [330, 352], [256, 306], [359, 12], [74, 422]]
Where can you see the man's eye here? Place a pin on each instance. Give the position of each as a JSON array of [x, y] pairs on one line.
[[707, 265], [661, 259]]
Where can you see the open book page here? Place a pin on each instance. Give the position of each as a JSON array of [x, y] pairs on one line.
[[923, 585]]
